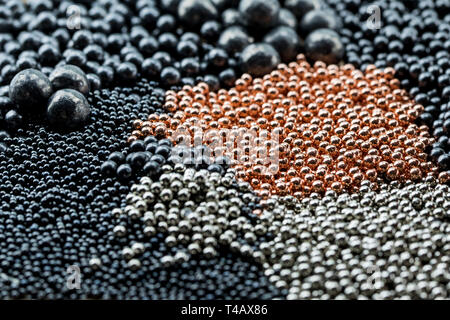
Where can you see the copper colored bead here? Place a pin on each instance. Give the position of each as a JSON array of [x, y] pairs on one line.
[[131, 139], [444, 177]]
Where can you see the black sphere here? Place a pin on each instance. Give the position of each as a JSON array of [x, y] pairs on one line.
[[301, 7], [234, 39], [324, 45], [70, 77], [67, 108], [170, 76], [259, 13], [13, 119], [259, 58], [287, 18], [124, 171], [195, 12], [30, 89], [319, 19], [231, 17], [285, 40]]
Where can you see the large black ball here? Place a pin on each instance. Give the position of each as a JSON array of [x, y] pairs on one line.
[[67, 108], [319, 19], [234, 39], [287, 18], [259, 13], [70, 77], [30, 89], [301, 7], [285, 40], [324, 45], [195, 12], [259, 59]]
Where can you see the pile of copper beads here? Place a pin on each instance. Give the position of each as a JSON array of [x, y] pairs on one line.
[[335, 125]]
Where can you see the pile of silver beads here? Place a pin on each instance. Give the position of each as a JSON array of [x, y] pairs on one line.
[[196, 209], [390, 243]]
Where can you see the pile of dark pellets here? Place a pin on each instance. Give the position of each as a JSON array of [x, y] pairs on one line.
[[57, 214], [86, 215], [174, 42], [413, 37]]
